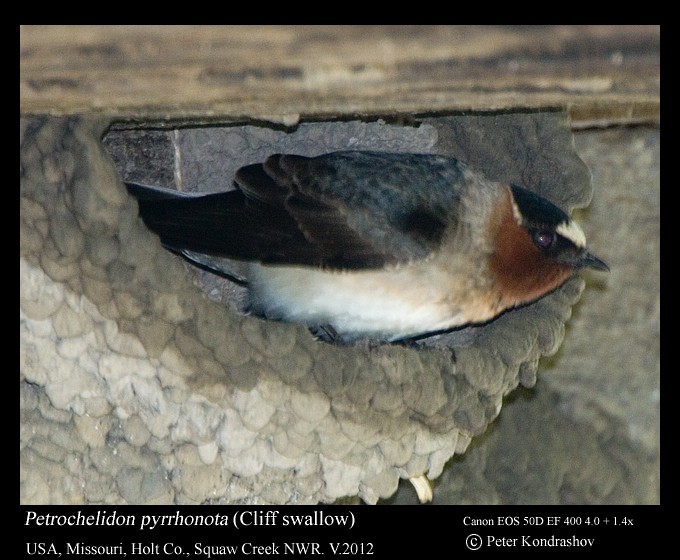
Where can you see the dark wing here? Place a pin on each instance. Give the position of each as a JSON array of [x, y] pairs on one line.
[[353, 210], [222, 224]]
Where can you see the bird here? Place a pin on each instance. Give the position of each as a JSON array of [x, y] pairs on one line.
[[373, 245]]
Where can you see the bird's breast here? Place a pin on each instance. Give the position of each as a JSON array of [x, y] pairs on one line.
[[390, 303]]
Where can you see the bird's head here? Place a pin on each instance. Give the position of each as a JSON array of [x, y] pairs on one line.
[[537, 246]]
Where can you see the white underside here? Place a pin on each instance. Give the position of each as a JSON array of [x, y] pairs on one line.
[[390, 304]]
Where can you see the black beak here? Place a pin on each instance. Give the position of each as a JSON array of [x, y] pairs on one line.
[[586, 260]]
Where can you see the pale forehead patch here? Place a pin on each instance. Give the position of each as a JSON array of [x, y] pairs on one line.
[[569, 230], [573, 232]]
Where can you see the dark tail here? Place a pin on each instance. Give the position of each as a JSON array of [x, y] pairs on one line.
[[227, 224], [213, 224]]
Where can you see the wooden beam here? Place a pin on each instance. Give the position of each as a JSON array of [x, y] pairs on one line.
[[603, 74]]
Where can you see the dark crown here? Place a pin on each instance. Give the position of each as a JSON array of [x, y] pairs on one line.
[[537, 210]]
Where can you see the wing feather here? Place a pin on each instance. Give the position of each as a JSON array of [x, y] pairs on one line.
[[355, 210]]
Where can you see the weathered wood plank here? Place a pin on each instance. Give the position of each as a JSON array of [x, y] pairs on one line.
[[603, 74]]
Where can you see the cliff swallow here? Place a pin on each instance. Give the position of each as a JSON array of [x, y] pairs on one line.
[[375, 245]]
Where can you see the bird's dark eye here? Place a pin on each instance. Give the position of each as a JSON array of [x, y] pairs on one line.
[[544, 239]]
